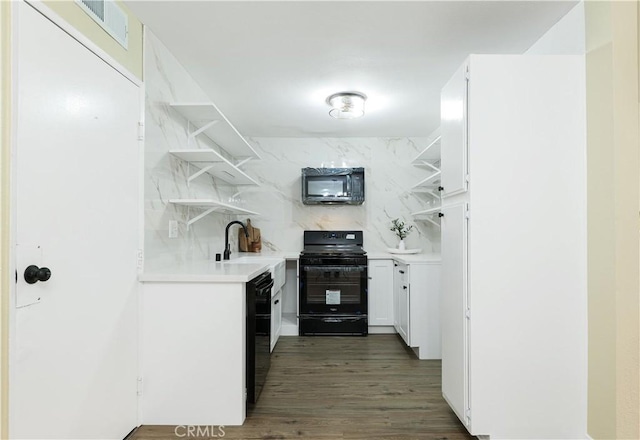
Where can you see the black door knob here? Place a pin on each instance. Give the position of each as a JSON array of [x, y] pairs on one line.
[[33, 274]]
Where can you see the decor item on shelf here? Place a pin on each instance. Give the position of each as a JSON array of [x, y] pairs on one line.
[[347, 105], [251, 242], [401, 231]]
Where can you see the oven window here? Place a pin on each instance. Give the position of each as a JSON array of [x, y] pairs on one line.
[[333, 286], [324, 187]]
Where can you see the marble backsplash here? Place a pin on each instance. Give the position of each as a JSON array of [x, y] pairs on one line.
[[283, 217], [165, 176], [389, 177]]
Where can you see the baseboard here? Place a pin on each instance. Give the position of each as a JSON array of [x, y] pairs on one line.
[[292, 330], [382, 330], [130, 435], [486, 437]]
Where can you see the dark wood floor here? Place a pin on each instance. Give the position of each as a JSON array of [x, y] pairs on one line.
[[344, 388]]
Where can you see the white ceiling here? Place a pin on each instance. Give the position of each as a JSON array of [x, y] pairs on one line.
[[269, 66]]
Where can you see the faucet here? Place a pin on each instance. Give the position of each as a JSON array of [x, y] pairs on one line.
[[227, 247]]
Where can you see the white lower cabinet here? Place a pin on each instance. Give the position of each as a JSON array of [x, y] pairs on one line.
[[276, 318], [380, 290], [416, 305], [405, 296]]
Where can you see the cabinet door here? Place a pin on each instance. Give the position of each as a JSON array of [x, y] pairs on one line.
[[276, 318], [403, 315], [401, 318], [453, 318], [380, 292], [453, 143], [396, 283]]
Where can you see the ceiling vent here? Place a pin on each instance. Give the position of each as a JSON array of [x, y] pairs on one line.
[[108, 15]]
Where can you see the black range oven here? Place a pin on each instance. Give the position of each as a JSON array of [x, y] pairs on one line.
[[333, 284]]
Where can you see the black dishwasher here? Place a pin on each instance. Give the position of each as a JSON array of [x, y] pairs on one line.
[[258, 334]]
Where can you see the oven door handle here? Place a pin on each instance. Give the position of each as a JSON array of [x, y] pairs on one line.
[[341, 319], [265, 287], [334, 268]]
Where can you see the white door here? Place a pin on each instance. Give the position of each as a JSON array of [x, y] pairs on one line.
[[73, 358], [453, 141], [453, 319]]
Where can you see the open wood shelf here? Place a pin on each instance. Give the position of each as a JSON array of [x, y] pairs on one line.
[[431, 182], [208, 119], [425, 212], [428, 215], [430, 154], [210, 206], [211, 162]]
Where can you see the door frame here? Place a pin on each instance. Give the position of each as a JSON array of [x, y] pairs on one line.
[[8, 217]]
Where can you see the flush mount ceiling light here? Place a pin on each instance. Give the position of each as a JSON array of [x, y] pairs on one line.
[[347, 105]]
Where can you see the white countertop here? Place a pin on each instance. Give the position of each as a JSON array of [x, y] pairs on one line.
[[405, 258], [205, 271], [209, 271], [287, 255], [425, 257]]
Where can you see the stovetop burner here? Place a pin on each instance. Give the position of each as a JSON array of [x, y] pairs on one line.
[[333, 250], [334, 243]]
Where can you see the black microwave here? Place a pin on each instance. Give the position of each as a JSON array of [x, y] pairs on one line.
[[333, 186]]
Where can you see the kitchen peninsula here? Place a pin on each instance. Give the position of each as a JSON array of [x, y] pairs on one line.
[[193, 342]]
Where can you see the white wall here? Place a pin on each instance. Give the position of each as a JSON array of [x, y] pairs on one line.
[[389, 177], [566, 37], [612, 218]]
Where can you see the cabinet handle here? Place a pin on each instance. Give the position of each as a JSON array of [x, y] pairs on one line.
[[440, 214], [370, 278], [277, 301], [401, 271], [404, 287], [440, 188]]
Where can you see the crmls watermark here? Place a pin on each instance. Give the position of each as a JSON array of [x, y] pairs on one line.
[[192, 431]]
